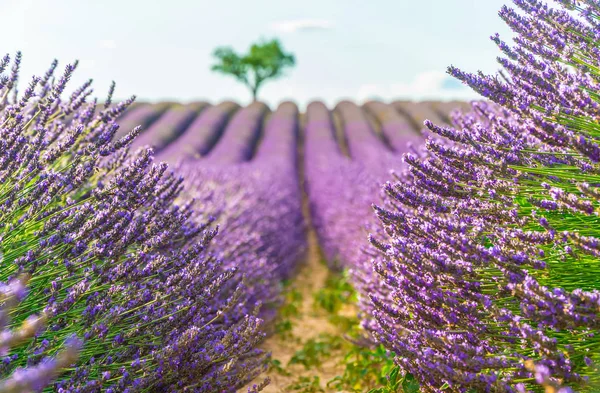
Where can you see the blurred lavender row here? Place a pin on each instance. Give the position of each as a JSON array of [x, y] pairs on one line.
[[255, 199], [169, 126], [201, 135], [196, 129], [349, 152]]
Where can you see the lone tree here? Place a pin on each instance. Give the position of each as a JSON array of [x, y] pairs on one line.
[[266, 60]]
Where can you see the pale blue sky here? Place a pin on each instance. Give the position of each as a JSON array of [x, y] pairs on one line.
[[344, 48]]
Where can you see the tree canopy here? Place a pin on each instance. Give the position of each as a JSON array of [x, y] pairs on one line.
[[266, 60]]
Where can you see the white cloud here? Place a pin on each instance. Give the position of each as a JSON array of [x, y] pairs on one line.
[[425, 85], [108, 44], [299, 25]]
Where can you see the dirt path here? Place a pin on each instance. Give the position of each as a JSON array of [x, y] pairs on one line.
[[310, 324]]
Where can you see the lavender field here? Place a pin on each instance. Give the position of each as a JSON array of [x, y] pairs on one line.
[[283, 181], [384, 246], [200, 130]]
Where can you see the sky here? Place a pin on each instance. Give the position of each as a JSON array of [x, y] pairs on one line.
[[344, 49]]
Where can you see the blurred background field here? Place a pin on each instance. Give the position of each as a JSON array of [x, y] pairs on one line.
[[183, 131]]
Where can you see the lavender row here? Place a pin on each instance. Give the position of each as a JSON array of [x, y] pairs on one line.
[[169, 126], [176, 138], [280, 138], [257, 205], [363, 144], [142, 115], [336, 184], [397, 129], [342, 189], [240, 137], [417, 112], [200, 137]]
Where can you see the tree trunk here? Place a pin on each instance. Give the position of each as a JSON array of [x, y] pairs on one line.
[[255, 92]]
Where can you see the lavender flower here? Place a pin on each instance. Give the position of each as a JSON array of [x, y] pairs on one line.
[[490, 247], [112, 258]]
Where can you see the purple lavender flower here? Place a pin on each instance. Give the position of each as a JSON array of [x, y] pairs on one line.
[[487, 241], [112, 257]]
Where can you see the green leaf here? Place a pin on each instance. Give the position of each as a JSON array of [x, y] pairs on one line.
[[410, 384], [265, 60]]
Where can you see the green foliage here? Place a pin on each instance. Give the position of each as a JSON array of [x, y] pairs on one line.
[[266, 60], [336, 293], [275, 365], [290, 309], [284, 328], [306, 385], [316, 350], [395, 382], [365, 368]]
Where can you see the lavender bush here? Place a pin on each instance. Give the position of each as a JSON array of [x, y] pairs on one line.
[[257, 203], [112, 258], [491, 246]]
